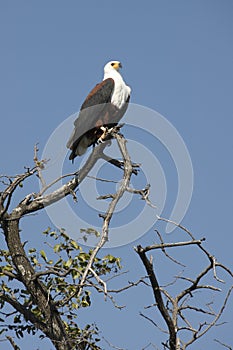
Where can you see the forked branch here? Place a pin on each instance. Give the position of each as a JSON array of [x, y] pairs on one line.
[[173, 309]]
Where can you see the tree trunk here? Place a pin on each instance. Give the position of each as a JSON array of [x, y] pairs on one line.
[[51, 324]]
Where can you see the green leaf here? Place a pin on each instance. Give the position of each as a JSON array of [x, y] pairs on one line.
[[5, 288], [57, 248], [63, 234], [90, 231], [32, 250], [110, 258], [84, 303], [68, 263], [46, 232], [52, 233], [7, 268], [74, 306], [34, 260], [118, 262], [43, 255], [75, 274], [83, 256], [74, 244]]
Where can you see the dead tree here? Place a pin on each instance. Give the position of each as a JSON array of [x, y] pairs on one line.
[[51, 286]]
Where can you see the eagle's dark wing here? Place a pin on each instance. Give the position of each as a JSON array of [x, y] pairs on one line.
[[115, 116], [90, 112], [101, 93]]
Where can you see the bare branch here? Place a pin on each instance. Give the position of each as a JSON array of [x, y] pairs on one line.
[[107, 196], [223, 344], [39, 165], [205, 286], [45, 188], [8, 192], [128, 170], [14, 346], [189, 307], [100, 281], [178, 303], [148, 345], [111, 345], [211, 258], [176, 224], [101, 179], [198, 333], [172, 245], [164, 251], [107, 217], [153, 322], [130, 285], [194, 284], [32, 203], [158, 297], [144, 193], [89, 283], [10, 274]]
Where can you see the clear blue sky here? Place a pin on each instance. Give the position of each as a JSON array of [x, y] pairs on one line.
[[178, 59]]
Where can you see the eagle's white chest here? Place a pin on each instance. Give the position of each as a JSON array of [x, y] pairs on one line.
[[121, 91]]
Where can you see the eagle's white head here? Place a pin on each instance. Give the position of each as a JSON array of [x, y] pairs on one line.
[[112, 66]]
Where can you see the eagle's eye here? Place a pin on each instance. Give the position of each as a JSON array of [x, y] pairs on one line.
[[112, 64]]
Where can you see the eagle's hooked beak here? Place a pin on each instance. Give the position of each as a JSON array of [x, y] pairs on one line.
[[117, 65]]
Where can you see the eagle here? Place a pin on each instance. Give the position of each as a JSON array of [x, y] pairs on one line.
[[102, 109]]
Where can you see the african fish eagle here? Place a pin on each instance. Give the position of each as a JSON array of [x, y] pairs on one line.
[[102, 109]]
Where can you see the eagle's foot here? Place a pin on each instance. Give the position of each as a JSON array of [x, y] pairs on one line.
[[101, 139], [106, 135]]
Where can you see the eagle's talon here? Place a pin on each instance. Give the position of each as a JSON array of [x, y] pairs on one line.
[[106, 136], [99, 141]]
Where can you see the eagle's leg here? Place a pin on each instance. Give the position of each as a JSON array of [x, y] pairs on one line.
[[102, 138]]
